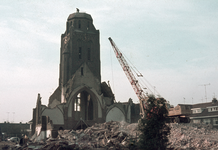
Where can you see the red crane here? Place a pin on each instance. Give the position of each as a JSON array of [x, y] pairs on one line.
[[137, 88]]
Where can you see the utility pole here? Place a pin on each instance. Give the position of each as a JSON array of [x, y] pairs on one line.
[[205, 85]]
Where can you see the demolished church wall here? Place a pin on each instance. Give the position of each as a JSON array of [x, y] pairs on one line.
[[55, 98], [54, 103], [119, 112], [81, 99], [115, 114], [55, 114]]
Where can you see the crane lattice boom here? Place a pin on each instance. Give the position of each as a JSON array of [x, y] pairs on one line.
[[137, 88]]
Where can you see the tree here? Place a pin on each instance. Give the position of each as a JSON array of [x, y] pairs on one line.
[[154, 129]]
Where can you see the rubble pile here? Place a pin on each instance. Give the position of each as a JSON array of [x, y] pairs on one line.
[[193, 136], [107, 135], [119, 135]]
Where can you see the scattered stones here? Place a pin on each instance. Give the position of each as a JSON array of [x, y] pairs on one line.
[[193, 136], [118, 135], [108, 135]]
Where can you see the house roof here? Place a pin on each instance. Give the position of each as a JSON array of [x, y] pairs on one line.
[[204, 105], [205, 109]]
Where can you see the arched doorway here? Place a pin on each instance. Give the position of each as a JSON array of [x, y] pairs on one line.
[[83, 106]]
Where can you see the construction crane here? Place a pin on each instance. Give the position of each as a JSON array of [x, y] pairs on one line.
[[136, 86]]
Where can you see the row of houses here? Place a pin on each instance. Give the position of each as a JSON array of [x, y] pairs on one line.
[[197, 113]]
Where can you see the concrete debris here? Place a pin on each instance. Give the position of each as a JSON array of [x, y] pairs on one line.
[[118, 135], [193, 136], [106, 136]]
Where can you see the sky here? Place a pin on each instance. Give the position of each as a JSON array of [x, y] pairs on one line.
[[172, 43]]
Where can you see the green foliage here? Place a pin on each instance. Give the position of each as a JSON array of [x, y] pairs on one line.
[[153, 128]]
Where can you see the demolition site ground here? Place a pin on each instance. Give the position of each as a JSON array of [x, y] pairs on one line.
[[120, 135]]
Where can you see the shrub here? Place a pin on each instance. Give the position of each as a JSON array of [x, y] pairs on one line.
[[153, 128]]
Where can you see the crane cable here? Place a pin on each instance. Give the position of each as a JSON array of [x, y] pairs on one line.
[[141, 78]]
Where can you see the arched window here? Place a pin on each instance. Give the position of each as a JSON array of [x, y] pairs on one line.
[[84, 106], [90, 108], [77, 102]]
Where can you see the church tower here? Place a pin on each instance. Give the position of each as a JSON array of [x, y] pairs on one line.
[[79, 48], [81, 99]]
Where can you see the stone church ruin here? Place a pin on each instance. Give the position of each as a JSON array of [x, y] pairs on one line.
[[81, 98]]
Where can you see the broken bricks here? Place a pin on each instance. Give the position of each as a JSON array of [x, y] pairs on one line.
[[117, 135]]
